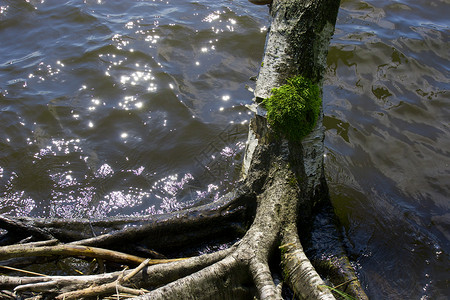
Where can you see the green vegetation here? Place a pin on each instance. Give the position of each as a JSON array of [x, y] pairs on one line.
[[293, 108], [340, 293], [293, 181]]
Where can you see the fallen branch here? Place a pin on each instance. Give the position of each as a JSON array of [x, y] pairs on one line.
[[110, 288], [23, 271], [77, 250], [154, 275]]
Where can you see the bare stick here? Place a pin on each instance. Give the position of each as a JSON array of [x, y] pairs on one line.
[[23, 271], [136, 270], [75, 250]]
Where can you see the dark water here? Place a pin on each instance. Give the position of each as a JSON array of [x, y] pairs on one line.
[[135, 107], [123, 107], [387, 112]]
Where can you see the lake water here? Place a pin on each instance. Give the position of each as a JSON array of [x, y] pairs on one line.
[[137, 107]]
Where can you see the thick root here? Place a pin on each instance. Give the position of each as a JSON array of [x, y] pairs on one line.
[[225, 217], [298, 269]]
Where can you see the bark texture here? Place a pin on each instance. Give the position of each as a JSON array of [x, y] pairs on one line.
[[283, 196]]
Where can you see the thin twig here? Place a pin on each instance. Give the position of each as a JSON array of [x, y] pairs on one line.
[[23, 271], [345, 282], [136, 270]]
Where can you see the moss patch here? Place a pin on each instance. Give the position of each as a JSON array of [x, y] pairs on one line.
[[293, 108]]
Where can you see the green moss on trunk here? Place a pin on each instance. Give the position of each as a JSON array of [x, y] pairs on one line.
[[293, 109]]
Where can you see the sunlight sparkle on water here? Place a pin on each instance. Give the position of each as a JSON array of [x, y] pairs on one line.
[[22, 204], [63, 179], [212, 17], [129, 102], [104, 171], [167, 188], [3, 9], [152, 38], [152, 87]]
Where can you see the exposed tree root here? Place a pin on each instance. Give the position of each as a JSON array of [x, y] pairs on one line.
[[21, 229], [237, 272], [260, 221], [161, 231]]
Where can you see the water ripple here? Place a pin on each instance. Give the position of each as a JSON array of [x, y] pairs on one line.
[[387, 140], [104, 100]]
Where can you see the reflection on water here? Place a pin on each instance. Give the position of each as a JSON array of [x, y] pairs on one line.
[[137, 107], [388, 143]]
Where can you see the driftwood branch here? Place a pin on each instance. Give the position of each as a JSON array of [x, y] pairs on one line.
[[109, 288], [151, 276]]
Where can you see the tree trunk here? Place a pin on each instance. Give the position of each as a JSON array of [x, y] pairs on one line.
[[281, 199]]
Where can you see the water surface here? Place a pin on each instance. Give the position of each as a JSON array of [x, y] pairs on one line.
[[388, 141], [129, 107]]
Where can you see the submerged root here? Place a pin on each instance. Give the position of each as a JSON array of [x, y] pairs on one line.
[[225, 217]]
